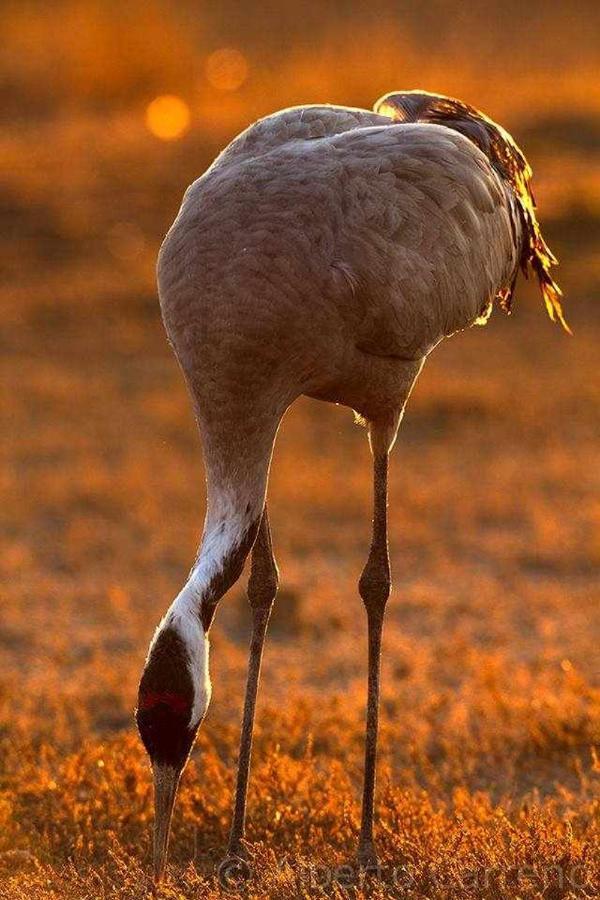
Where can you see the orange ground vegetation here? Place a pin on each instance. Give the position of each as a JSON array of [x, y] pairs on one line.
[[490, 775], [490, 702]]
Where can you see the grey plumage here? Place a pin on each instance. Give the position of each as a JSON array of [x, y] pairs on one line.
[[326, 252]]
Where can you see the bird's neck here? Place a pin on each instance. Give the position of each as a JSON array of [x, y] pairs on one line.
[[220, 561], [228, 536]]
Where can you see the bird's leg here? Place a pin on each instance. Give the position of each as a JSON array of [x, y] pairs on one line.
[[374, 587], [262, 587]]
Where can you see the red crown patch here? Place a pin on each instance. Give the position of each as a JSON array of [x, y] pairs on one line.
[[176, 702]]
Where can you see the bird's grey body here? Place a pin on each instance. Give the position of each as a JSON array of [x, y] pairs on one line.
[[325, 252], [330, 249]]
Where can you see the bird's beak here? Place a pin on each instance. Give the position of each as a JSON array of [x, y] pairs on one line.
[[166, 779]]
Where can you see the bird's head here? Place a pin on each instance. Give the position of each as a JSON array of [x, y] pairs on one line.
[[173, 697]]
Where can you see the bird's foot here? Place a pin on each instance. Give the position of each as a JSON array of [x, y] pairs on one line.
[[368, 859], [235, 869]]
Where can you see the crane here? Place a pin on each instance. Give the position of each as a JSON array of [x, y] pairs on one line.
[[325, 252]]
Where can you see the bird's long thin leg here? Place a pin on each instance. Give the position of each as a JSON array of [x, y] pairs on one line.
[[262, 587], [374, 587]]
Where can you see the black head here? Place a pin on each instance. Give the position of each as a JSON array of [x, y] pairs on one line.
[[165, 701]]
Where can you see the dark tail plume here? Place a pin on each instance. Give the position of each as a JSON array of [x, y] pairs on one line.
[[510, 163]]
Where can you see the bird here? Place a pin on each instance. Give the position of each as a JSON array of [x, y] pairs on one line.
[[325, 252]]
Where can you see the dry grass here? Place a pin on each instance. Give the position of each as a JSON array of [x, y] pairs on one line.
[[489, 778], [489, 782]]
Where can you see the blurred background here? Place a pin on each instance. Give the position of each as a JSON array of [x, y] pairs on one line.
[[108, 110]]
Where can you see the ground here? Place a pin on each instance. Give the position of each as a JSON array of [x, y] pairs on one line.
[[488, 777]]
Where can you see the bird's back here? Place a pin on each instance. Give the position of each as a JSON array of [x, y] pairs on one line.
[[321, 227]]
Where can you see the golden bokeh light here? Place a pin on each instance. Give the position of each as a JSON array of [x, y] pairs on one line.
[[168, 117], [226, 69]]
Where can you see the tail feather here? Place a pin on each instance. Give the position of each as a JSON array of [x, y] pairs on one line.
[[510, 163]]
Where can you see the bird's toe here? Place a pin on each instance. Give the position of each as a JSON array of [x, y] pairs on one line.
[[235, 869]]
